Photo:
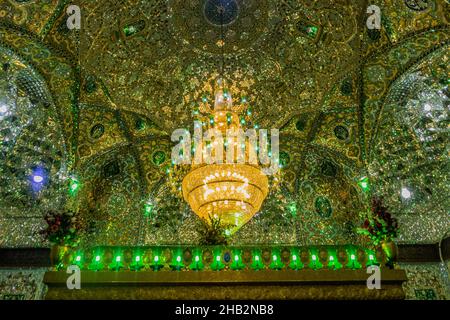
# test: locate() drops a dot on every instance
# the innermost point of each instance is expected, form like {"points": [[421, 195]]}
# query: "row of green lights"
{"points": [[237, 264], [237, 259]]}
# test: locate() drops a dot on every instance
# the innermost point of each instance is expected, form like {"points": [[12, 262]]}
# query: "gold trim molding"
{"points": [[259, 285]]}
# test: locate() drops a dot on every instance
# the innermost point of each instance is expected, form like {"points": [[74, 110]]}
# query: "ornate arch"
{"points": [[409, 162], [58, 71], [383, 69]]}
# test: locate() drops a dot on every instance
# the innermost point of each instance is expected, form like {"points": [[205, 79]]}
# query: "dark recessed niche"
{"points": [[341, 132], [323, 207], [140, 124], [158, 157], [347, 87], [374, 34], [221, 12], [97, 131], [111, 169], [90, 85]]}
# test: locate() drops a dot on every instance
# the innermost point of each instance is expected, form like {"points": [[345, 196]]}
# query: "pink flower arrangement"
{"points": [[380, 225], [62, 228]]}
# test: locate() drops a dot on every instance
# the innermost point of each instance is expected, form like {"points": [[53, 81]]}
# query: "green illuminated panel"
{"points": [[141, 258], [236, 260], [363, 183], [74, 185], [352, 258], [197, 263], [177, 260], [314, 260], [296, 262], [333, 262], [276, 263], [371, 258], [217, 263], [157, 261], [137, 262], [257, 260], [97, 260]]}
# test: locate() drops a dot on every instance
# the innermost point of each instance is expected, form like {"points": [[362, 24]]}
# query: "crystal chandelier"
{"points": [[232, 192], [234, 189]]}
